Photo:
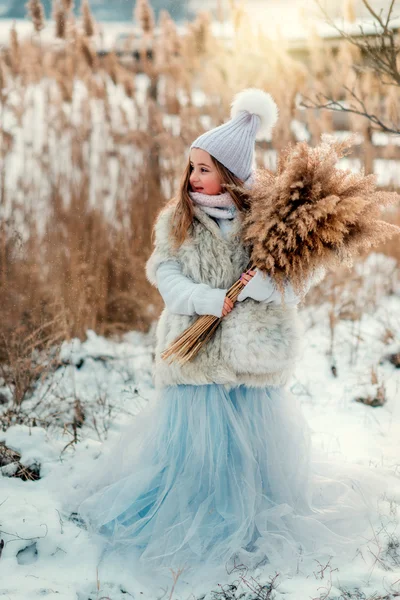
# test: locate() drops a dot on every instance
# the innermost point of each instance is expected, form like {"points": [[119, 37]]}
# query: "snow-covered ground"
{"points": [[47, 556]]}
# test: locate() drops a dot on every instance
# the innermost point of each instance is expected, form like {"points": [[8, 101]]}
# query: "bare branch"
{"points": [[374, 14], [384, 25], [324, 102], [391, 7], [381, 49], [332, 23]]}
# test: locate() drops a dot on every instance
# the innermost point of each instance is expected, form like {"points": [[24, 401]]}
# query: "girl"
{"points": [[218, 470]]}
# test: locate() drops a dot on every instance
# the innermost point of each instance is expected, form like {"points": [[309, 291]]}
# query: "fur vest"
{"points": [[255, 344]]}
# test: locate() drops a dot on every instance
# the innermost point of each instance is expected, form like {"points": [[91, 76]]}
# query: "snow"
{"points": [[47, 556]]}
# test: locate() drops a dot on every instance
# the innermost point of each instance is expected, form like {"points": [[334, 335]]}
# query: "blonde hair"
{"points": [[183, 216]]}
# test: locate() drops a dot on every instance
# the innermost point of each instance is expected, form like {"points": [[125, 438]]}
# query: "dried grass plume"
{"points": [[15, 54], [60, 17], [68, 5], [36, 13], [144, 15], [87, 17]]}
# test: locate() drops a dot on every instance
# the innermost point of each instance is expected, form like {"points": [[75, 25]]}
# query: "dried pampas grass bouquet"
{"points": [[309, 214]]}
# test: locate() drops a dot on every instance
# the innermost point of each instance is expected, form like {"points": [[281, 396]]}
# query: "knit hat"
{"points": [[253, 115]]}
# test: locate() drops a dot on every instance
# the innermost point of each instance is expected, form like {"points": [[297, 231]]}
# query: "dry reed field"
{"points": [[92, 145]]}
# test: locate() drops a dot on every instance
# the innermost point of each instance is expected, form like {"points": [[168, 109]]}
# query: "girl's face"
{"points": [[204, 177]]}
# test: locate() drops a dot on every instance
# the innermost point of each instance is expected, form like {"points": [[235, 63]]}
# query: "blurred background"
{"points": [[99, 103]]}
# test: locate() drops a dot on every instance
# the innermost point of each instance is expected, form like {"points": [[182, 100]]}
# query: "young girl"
{"points": [[218, 470]]}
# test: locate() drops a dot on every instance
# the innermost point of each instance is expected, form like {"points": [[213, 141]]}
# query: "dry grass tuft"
{"points": [[28, 353], [377, 399], [11, 466]]}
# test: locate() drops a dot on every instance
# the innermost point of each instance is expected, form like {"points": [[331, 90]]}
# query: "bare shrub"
{"points": [[28, 349]]}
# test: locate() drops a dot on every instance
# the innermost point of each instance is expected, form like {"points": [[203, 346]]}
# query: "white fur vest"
{"points": [[256, 344]]}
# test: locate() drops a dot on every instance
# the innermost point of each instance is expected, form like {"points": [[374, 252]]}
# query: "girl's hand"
{"points": [[247, 276], [228, 305]]}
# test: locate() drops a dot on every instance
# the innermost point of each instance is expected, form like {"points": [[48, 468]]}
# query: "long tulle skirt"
{"points": [[206, 477]]}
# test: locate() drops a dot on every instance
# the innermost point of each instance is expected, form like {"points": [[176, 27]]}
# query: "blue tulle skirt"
{"points": [[208, 476]]}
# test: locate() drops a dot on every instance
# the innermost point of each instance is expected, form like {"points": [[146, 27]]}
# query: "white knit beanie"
{"points": [[253, 115]]}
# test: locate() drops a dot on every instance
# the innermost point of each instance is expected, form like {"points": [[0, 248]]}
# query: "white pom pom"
{"points": [[257, 102]]}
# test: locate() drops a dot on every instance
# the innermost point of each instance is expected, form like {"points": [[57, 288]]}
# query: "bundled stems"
{"points": [[192, 340]]}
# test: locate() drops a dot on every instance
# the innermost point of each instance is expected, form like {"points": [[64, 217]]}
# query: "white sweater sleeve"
{"points": [[259, 288], [262, 288], [184, 297]]}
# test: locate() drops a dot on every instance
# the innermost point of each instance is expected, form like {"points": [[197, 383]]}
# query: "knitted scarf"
{"points": [[219, 206]]}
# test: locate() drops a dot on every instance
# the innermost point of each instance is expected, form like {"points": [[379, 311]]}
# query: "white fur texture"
{"points": [[260, 103], [256, 344]]}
